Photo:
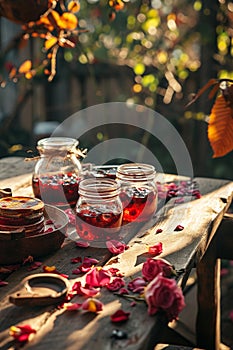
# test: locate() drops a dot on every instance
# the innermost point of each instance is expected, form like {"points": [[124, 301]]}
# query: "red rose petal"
{"points": [[120, 316], [179, 228]]}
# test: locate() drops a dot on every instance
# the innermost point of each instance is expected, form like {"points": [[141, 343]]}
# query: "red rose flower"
{"points": [[152, 267], [163, 294]]}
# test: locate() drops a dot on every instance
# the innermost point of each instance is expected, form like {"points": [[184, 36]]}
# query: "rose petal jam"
{"points": [[139, 193], [139, 204], [98, 211], [59, 189], [97, 224]]}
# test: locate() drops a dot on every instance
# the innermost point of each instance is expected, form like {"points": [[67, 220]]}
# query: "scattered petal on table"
{"points": [[156, 249], [92, 305], [21, 333], [120, 316]]}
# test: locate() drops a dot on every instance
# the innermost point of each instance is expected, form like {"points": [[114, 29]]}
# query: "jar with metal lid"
{"points": [[57, 172], [139, 193], [98, 211]]}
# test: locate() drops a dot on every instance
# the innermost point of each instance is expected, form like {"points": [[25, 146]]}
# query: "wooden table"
{"points": [[204, 239]]}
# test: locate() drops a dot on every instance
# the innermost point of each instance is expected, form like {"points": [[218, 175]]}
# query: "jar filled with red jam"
{"points": [[58, 172], [98, 211], [139, 193]]}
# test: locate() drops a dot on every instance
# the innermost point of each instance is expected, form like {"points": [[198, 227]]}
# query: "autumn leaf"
{"points": [[25, 67], [50, 42], [68, 21], [73, 6], [220, 128]]}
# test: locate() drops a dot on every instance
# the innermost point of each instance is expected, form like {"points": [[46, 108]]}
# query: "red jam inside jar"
{"points": [[139, 194], [58, 189], [92, 225], [98, 211], [58, 172], [139, 204]]}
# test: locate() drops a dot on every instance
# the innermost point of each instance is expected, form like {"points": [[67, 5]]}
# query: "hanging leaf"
{"points": [[50, 42], [220, 128], [74, 6], [25, 67], [68, 21]]}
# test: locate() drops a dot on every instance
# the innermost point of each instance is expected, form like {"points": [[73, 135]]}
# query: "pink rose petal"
{"points": [[92, 305], [82, 244], [71, 306], [156, 249], [3, 283], [116, 247], [120, 316], [179, 228]]}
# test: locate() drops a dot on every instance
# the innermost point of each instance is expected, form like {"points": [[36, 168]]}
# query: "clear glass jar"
{"points": [[58, 172], [98, 211], [139, 194]]}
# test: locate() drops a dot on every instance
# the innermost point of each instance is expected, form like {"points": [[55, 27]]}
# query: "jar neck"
{"points": [[136, 172], [57, 146], [99, 188]]}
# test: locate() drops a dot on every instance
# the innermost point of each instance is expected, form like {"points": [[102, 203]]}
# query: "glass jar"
{"points": [[98, 211], [58, 172], [139, 194]]}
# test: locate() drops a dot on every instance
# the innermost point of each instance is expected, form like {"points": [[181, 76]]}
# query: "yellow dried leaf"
{"points": [[25, 67], [50, 42], [220, 128], [74, 6], [68, 21]]}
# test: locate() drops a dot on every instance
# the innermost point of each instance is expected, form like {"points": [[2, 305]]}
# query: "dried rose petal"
{"points": [[156, 249], [77, 271], [120, 316], [137, 285], [179, 228], [78, 289], [98, 277], [92, 305], [123, 291], [116, 247], [21, 333], [3, 283], [159, 230], [88, 262], [71, 306], [82, 244], [76, 260], [115, 272], [116, 284], [34, 266]]}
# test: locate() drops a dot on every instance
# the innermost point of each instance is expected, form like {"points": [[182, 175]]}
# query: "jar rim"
{"points": [[136, 172], [54, 142], [100, 188]]}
